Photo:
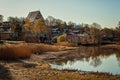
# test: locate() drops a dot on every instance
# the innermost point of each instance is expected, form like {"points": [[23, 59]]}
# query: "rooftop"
{"points": [[34, 15]]}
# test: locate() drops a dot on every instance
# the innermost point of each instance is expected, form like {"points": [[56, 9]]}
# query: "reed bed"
{"points": [[40, 48], [14, 51], [68, 44], [24, 50]]}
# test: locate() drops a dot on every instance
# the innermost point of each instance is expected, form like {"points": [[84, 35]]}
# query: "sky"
{"points": [[104, 12]]}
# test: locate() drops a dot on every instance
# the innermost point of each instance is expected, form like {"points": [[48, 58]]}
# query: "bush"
{"points": [[61, 38]]}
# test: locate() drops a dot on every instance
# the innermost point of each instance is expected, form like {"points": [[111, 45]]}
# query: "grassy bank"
{"points": [[68, 44], [114, 46], [12, 51], [24, 50], [36, 68]]}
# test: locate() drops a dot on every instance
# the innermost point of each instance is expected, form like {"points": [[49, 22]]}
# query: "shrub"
{"points": [[61, 38]]}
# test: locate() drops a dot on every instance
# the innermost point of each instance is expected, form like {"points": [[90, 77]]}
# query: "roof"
{"points": [[34, 15]]}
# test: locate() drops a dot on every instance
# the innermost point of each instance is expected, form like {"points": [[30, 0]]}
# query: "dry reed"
{"points": [[68, 44], [12, 51], [40, 48], [24, 50]]}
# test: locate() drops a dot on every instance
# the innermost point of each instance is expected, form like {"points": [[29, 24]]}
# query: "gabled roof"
{"points": [[34, 15]]}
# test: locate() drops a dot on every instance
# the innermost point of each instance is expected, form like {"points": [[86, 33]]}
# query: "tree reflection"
{"points": [[118, 61], [96, 62], [118, 57], [94, 55]]}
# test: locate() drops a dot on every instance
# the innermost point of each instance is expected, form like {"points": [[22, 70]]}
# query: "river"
{"points": [[96, 59]]}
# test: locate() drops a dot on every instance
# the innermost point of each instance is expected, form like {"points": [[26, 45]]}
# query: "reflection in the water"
{"points": [[96, 62], [92, 59]]}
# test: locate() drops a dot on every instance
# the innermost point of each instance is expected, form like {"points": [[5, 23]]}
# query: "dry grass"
{"points": [[116, 46], [68, 44], [12, 51], [24, 50], [40, 48], [42, 70]]}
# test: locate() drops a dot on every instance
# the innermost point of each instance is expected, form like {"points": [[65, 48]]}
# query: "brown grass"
{"points": [[12, 51], [68, 44], [116, 46], [40, 48], [24, 50]]}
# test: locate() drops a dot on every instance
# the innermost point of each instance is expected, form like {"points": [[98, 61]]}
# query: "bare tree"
{"points": [[50, 21], [119, 24], [71, 24], [16, 25], [96, 25]]}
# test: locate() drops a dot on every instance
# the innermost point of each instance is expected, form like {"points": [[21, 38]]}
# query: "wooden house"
{"points": [[5, 35], [5, 31], [29, 35], [34, 15]]}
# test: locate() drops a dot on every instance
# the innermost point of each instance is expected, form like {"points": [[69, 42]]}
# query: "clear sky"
{"points": [[104, 12]]}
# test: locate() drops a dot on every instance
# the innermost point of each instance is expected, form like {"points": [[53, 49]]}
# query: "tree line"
{"points": [[19, 25]]}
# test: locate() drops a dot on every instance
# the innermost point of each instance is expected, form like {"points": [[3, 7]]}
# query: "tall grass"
{"points": [[24, 50], [40, 48], [68, 44], [12, 51]]}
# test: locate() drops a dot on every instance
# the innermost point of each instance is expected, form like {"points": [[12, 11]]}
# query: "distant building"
{"points": [[5, 31], [29, 35], [5, 26], [5, 35], [34, 15], [55, 31]]}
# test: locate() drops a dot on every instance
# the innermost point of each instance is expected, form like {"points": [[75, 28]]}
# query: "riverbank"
{"points": [[114, 46], [24, 50], [37, 66]]}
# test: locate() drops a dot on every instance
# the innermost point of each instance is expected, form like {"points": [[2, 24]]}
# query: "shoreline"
{"points": [[37, 67]]}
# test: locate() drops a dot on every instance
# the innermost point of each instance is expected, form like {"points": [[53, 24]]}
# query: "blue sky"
{"points": [[104, 12]]}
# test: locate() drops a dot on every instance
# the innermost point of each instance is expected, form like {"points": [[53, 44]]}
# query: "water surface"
{"points": [[92, 59]]}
